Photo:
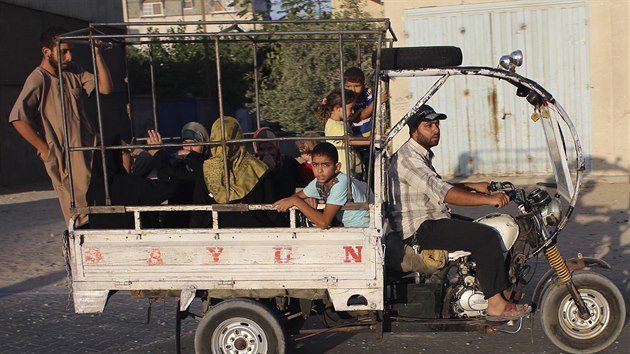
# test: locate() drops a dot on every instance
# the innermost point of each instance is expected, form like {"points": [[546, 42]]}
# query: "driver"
{"points": [[418, 198]]}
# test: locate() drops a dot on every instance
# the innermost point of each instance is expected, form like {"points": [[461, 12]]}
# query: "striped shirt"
{"points": [[416, 191]]}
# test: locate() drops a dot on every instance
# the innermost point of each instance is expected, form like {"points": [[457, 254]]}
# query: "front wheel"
{"points": [[561, 321], [240, 326]]}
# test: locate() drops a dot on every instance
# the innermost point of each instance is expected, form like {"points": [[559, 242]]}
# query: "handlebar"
{"points": [[506, 187], [500, 186]]}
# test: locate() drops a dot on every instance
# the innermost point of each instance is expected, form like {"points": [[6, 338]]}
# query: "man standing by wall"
{"points": [[37, 117]]}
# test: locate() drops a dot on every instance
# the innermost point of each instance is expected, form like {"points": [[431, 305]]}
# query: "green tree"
{"points": [[299, 74], [184, 67], [294, 75]]}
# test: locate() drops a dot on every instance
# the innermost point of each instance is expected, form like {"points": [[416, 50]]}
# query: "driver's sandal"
{"points": [[518, 311]]}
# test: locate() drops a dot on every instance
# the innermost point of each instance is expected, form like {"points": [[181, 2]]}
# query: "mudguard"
{"points": [[549, 277]]}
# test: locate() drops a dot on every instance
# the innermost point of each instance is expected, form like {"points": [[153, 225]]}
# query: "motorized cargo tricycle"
{"points": [[259, 286]]}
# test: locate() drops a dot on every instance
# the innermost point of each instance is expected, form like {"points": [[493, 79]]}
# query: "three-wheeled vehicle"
{"points": [[258, 286]]}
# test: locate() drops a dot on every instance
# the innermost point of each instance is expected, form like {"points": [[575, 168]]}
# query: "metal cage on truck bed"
{"points": [[341, 265]]}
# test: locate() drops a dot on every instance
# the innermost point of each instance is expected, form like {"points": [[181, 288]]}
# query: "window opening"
{"points": [[152, 9]]}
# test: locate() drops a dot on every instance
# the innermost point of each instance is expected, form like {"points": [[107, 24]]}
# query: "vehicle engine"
{"points": [[468, 299]]}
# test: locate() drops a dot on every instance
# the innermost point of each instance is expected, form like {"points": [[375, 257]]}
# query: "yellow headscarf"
{"points": [[244, 169]]}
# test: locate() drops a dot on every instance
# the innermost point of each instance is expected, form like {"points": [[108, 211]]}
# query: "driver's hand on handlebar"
{"points": [[499, 200]]}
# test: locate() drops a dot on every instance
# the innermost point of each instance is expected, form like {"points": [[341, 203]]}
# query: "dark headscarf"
{"points": [[196, 132]]}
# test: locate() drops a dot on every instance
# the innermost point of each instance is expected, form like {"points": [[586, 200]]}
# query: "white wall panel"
{"points": [[488, 130]]}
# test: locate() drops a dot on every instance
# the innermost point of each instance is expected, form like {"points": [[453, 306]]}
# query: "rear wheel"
{"points": [[564, 327], [240, 326]]}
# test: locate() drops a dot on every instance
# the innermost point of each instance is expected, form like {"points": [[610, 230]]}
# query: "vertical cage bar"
{"points": [[256, 88], [153, 96], [99, 117], [346, 140], [221, 115], [64, 116]]}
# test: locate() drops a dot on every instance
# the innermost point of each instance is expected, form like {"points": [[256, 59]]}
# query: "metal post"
{"points": [[153, 97], [100, 119], [346, 140], [132, 126], [377, 103], [256, 88], [65, 124], [206, 51], [220, 94]]}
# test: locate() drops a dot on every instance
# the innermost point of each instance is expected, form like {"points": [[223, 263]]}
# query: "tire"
{"points": [[562, 324], [240, 326], [411, 58]]}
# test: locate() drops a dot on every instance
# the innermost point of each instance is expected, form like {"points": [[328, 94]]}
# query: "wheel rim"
{"points": [[574, 325], [239, 336]]}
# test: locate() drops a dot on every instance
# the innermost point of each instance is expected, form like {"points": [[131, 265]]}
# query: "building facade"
{"points": [[148, 11]]}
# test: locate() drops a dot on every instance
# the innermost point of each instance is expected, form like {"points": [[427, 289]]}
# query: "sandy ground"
{"points": [[32, 224]]}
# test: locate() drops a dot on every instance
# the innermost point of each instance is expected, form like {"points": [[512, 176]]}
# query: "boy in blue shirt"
{"points": [[330, 187], [354, 79]]}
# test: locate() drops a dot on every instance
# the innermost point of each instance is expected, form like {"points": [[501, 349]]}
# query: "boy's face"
{"points": [[324, 168], [357, 87]]}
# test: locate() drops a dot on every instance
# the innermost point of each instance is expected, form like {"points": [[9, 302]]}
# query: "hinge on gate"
{"points": [[330, 279]]}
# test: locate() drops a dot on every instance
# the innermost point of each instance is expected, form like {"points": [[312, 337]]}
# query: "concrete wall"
{"points": [[20, 28], [610, 85], [609, 38]]}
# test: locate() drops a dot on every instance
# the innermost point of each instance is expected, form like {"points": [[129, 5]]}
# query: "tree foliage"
{"points": [[186, 67], [299, 74], [293, 76]]}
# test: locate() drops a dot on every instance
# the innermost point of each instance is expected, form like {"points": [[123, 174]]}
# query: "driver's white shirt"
{"points": [[416, 191]]}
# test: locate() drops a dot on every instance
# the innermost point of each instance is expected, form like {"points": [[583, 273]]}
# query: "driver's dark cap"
{"points": [[425, 112]]}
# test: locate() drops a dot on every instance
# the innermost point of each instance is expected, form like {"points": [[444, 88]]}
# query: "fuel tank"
{"points": [[505, 225]]}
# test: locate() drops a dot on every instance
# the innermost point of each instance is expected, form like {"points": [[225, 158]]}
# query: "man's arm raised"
{"points": [[105, 83]]}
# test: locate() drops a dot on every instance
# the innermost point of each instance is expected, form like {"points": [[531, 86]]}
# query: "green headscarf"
{"points": [[245, 170]]}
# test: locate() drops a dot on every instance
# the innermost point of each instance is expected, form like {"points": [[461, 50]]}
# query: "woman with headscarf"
{"points": [[190, 186], [284, 170], [247, 178], [127, 187]]}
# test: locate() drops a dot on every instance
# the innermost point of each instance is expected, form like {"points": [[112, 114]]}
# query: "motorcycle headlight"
{"points": [[551, 213]]}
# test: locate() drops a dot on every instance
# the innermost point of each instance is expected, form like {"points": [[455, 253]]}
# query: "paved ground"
{"points": [[37, 315]]}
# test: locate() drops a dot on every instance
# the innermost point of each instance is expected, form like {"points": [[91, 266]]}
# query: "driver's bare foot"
{"points": [[510, 312]]}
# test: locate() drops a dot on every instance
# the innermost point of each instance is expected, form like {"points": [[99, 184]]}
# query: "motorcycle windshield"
{"points": [[559, 149]]}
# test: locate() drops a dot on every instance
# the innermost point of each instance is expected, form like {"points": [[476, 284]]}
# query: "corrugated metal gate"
{"points": [[488, 130]]}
